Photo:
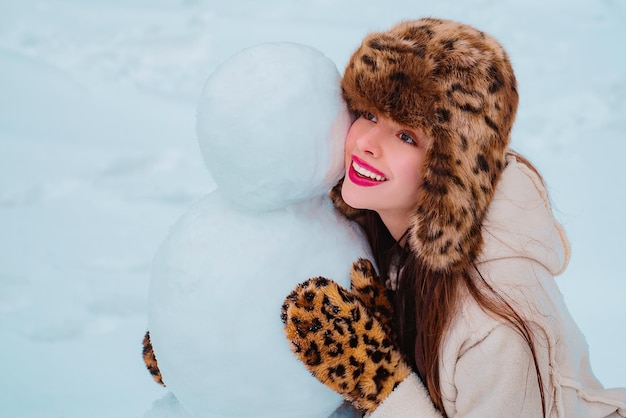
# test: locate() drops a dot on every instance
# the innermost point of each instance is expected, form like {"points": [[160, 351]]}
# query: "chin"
{"points": [[351, 196]]}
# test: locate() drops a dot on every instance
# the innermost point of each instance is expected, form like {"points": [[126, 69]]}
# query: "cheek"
{"points": [[350, 143], [351, 137], [411, 171]]}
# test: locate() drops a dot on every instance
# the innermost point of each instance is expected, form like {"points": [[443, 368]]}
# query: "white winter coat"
{"points": [[486, 368]]}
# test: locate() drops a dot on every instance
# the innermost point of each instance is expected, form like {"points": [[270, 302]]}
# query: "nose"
{"points": [[370, 142]]}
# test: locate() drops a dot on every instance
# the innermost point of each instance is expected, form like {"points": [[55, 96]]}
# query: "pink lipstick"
{"points": [[364, 174]]}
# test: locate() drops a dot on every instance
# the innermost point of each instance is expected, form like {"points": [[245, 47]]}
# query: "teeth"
{"points": [[366, 173]]}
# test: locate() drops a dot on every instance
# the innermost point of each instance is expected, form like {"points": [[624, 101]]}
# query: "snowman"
{"points": [[271, 126]]}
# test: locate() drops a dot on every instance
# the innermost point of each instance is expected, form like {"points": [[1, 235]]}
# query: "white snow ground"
{"points": [[98, 158]]}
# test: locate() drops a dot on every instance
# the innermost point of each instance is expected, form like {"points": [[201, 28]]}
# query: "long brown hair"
{"points": [[425, 301]]}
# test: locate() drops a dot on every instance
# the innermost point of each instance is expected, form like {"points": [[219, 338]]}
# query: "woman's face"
{"points": [[384, 162]]}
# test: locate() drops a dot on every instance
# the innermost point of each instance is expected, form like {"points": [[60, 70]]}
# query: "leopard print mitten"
{"points": [[149, 358], [345, 345], [370, 289]]}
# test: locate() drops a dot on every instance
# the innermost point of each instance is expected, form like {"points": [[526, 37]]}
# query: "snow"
{"points": [[99, 158]]}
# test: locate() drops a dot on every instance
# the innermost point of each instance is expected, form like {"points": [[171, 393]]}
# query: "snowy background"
{"points": [[98, 158]]}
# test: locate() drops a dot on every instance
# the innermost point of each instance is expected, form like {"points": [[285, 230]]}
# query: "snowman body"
{"points": [[220, 277]]}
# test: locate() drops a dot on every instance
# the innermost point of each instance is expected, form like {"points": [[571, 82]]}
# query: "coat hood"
{"points": [[520, 222]]}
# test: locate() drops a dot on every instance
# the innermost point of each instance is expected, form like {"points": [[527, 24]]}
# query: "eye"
{"points": [[408, 138], [369, 116]]}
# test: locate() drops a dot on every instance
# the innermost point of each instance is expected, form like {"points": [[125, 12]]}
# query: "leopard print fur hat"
{"points": [[455, 84]]}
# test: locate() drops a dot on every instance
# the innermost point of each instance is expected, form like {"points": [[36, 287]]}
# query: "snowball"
{"points": [[271, 125], [218, 284]]}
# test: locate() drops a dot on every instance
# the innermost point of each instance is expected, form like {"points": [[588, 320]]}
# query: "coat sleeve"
{"points": [[494, 378], [497, 378], [409, 400]]}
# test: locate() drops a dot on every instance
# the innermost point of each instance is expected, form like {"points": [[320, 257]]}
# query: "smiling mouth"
{"points": [[367, 174]]}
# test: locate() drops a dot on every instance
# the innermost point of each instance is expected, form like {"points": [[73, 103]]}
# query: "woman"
{"points": [[463, 235]]}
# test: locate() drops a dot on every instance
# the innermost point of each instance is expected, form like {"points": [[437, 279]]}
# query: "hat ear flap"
{"points": [[343, 208]]}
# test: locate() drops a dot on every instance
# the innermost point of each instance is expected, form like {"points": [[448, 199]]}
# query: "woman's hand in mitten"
{"points": [[370, 289], [343, 343], [150, 360]]}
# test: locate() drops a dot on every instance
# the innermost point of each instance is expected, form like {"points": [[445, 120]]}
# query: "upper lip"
{"points": [[368, 167]]}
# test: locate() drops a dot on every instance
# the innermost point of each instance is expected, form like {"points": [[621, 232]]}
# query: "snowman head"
{"points": [[271, 126]]}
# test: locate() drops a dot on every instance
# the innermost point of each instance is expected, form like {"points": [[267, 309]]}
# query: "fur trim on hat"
{"points": [[456, 85]]}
